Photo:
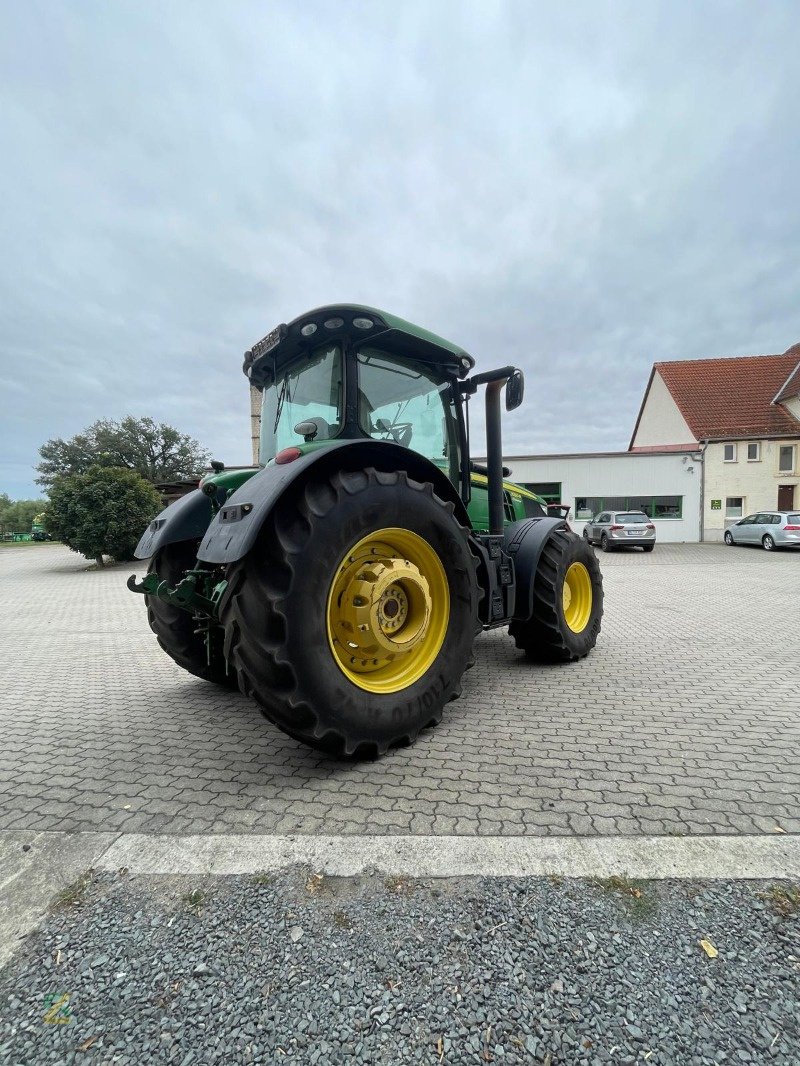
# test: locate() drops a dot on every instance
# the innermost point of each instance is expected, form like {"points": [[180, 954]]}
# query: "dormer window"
{"points": [[729, 453]]}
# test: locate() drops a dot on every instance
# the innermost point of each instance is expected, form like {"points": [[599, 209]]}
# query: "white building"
{"points": [[666, 485]]}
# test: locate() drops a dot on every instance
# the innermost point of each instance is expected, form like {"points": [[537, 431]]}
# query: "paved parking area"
{"points": [[685, 719]]}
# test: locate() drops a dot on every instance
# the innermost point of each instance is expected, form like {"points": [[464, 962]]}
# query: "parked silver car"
{"points": [[621, 529], [770, 529]]}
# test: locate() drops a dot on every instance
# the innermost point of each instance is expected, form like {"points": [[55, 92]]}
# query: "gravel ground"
{"points": [[301, 968]]}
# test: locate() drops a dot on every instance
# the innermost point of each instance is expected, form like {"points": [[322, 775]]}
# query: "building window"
{"points": [[786, 459], [729, 453], [734, 506], [550, 491], [754, 451], [587, 506], [666, 507], [653, 506]]}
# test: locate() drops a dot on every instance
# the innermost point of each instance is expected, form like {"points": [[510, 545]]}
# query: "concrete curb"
{"points": [[728, 857], [29, 879]]}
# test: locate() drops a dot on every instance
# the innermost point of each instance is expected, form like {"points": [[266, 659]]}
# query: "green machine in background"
{"points": [[342, 583]]}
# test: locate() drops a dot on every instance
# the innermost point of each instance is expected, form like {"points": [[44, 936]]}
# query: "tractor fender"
{"points": [[185, 519], [523, 542], [234, 529]]}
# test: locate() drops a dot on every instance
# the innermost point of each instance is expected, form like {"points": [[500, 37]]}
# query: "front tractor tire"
{"points": [[176, 629], [352, 619], [567, 603]]}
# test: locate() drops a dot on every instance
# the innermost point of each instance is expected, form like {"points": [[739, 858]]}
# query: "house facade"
{"points": [[741, 416]]}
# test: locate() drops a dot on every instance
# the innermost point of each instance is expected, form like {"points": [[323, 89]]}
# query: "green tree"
{"points": [[102, 511], [155, 450], [16, 516]]}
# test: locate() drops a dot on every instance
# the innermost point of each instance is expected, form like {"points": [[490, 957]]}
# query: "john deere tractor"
{"points": [[342, 583]]}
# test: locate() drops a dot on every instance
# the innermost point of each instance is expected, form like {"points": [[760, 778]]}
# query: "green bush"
{"points": [[102, 512]]}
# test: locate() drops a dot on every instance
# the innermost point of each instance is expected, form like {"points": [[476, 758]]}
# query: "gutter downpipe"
{"points": [[703, 491]]}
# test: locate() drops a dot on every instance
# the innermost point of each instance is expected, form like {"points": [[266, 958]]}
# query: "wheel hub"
{"points": [[387, 610], [384, 607]]}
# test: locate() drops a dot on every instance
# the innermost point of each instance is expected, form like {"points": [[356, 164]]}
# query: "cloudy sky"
{"points": [[577, 188]]}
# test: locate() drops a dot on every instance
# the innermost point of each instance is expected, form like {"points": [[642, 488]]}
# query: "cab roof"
{"points": [[361, 325]]}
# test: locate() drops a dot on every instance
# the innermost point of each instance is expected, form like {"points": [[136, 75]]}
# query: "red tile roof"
{"points": [[733, 397]]}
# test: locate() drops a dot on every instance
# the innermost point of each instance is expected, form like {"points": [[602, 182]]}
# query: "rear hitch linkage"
{"points": [[186, 593]]}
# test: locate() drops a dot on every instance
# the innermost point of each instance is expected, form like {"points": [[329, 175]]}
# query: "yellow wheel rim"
{"points": [[577, 597], [388, 610]]}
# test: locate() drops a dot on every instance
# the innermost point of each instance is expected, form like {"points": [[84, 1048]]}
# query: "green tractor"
{"points": [[343, 582], [38, 527]]}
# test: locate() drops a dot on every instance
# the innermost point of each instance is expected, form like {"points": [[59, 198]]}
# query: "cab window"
{"points": [[411, 404], [304, 403]]}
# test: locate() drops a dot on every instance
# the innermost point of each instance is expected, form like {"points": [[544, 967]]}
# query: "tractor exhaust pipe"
{"points": [[494, 380], [494, 456]]}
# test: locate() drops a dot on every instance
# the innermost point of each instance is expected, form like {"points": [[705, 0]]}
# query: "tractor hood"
{"points": [[358, 324]]}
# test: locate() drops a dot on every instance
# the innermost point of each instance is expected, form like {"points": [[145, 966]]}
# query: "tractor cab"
{"points": [[412, 403], [355, 373]]}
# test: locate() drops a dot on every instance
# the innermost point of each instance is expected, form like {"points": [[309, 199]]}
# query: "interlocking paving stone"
{"points": [[685, 719]]}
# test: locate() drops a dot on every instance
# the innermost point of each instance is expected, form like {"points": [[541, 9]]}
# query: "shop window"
{"points": [[587, 507], [666, 507], [653, 506]]}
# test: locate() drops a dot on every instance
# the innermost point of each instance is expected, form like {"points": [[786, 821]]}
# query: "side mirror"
{"points": [[515, 390]]}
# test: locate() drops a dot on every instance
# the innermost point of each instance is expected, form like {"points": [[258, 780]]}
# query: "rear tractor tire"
{"points": [[352, 619], [175, 628], [567, 603]]}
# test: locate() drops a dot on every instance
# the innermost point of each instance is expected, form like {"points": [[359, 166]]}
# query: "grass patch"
{"points": [[72, 895], [263, 878], [783, 900], [26, 543], [193, 901], [634, 893]]}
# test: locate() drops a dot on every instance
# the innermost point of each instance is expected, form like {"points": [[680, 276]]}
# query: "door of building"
{"points": [[785, 497]]}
